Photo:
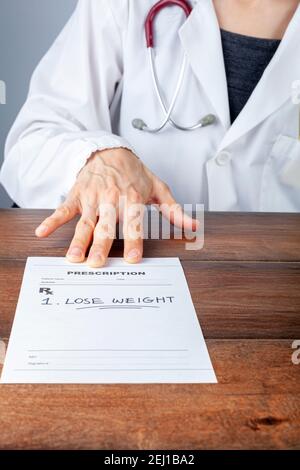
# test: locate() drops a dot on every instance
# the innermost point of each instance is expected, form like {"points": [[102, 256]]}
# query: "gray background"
{"points": [[27, 29]]}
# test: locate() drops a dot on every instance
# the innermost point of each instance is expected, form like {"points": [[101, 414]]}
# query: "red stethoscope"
{"points": [[149, 30]]}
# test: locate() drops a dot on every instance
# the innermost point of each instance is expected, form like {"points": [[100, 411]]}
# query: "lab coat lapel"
{"points": [[201, 40], [274, 88]]}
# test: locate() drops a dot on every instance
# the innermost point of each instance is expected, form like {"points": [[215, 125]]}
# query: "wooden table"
{"points": [[245, 286]]}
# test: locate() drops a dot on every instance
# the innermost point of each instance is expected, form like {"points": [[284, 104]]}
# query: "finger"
{"points": [[173, 211], [133, 217], [105, 231], [83, 235], [63, 214]]}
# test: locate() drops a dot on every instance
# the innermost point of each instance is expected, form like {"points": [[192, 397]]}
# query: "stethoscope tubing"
{"points": [[167, 112], [139, 123]]}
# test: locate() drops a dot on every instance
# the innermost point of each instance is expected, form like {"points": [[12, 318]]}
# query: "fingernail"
{"points": [[96, 260], [133, 254], [75, 253], [41, 230]]}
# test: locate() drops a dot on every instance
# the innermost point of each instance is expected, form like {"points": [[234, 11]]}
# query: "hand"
{"points": [[111, 176]]}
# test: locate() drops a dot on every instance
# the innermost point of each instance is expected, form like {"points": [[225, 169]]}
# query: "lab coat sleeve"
{"points": [[67, 113]]}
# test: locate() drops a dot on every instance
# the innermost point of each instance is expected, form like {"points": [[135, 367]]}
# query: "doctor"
{"points": [[82, 137]]}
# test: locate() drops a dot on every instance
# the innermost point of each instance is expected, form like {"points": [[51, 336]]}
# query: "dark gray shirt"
{"points": [[246, 59]]}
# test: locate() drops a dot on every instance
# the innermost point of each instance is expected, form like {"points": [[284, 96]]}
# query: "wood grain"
{"points": [[245, 287], [248, 408], [228, 237]]}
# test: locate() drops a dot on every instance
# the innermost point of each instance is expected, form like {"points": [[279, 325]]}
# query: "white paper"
{"points": [[119, 324]]}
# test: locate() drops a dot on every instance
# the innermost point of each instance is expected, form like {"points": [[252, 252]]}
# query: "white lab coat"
{"points": [[96, 79]]}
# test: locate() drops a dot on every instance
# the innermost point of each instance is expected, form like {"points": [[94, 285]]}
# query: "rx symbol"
{"points": [[46, 291]]}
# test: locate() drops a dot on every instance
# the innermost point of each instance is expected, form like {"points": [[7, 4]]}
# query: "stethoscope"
{"points": [[140, 123]]}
